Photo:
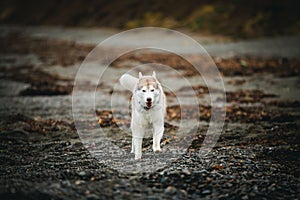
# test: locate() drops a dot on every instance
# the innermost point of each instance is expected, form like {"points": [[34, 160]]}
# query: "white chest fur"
{"points": [[145, 118]]}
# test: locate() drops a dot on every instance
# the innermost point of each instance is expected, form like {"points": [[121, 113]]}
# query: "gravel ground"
{"points": [[43, 157]]}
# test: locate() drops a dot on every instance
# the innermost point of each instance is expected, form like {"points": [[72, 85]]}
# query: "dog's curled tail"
{"points": [[128, 81]]}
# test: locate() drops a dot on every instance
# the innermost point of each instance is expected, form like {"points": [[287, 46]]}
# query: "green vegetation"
{"points": [[235, 18]]}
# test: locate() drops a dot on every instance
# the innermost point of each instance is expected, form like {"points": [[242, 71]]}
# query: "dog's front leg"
{"points": [[157, 135], [138, 148], [137, 141]]}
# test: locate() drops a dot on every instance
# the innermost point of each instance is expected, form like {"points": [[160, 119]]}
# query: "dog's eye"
{"points": [[152, 90], [144, 90]]}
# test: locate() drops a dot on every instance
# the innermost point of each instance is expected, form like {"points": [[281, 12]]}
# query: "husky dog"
{"points": [[148, 104]]}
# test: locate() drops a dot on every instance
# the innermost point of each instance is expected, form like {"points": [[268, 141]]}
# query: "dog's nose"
{"points": [[149, 99]]}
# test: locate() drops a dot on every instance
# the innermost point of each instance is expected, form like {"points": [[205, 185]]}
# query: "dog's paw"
{"points": [[156, 149], [138, 156]]}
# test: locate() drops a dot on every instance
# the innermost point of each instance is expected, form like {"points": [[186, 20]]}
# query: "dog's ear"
{"points": [[140, 75], [154, 74]]}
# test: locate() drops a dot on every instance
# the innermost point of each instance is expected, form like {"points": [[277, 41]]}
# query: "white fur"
{"points": [[143, 117], [128, 81]]}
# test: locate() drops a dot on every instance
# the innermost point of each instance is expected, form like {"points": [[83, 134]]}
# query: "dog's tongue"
{"points": [[148, 104]]}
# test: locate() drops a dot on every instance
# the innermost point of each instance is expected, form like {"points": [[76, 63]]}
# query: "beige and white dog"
{"points": [[148, 104]]}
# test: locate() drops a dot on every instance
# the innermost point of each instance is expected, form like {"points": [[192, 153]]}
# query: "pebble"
{"points": [[184, 192], [92, 197], [82, 173], [186, 171], [228, 185], [170, 190], [78, 182], [205, 192]]}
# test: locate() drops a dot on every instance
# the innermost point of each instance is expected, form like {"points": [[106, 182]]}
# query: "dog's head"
{"points": [[147, 90]]}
